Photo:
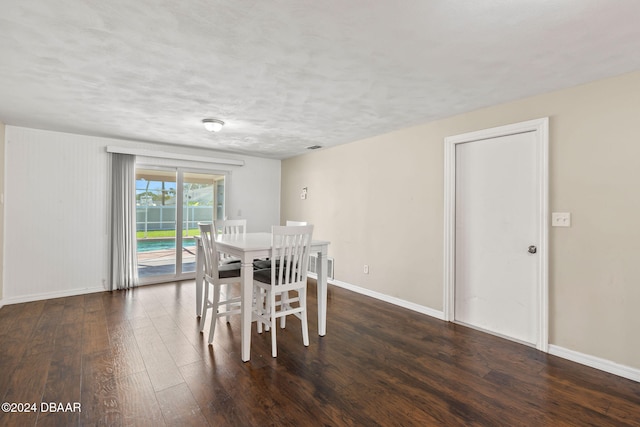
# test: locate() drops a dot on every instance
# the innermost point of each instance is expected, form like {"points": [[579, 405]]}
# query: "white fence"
{"points": [[150, 218]]}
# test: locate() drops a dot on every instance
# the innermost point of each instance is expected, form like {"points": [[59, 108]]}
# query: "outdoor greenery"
{"points": [[165, 233], [195, 195]]}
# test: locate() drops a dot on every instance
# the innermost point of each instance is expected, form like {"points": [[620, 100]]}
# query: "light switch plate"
{"points": [[560, 219]]}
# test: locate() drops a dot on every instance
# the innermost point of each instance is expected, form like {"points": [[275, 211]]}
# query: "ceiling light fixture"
{"points": [[212, 125]]}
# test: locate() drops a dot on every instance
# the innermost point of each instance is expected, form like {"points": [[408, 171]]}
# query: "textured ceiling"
{"points": [[285, 75]]}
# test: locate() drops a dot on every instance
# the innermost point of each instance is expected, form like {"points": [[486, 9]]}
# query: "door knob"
{"points": [[533, 249]]}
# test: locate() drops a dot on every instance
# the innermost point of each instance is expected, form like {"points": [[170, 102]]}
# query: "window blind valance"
{"points": [[177, 156]]}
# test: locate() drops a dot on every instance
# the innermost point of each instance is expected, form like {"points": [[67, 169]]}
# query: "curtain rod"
{"points": [[176, 156]]}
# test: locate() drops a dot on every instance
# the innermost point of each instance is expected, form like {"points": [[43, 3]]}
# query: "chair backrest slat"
{"points": [[290, 222], [230, 226]]}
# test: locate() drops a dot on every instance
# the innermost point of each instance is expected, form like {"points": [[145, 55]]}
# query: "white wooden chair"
{"points": [[290, 223], [229, 226], [217, 275], [288, 273]]}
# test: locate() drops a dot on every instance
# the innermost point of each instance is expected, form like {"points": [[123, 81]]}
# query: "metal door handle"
{"points": [[533, 249]]}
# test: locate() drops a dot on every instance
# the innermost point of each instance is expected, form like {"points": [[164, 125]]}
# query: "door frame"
{"points": [[541, 129]]}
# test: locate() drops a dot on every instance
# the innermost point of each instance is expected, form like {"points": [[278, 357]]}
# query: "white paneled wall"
{"points": [[56, 210], [56, 214]]}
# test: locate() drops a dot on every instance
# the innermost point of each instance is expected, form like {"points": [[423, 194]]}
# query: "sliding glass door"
{"points": [[203, 201], [170, 203]]}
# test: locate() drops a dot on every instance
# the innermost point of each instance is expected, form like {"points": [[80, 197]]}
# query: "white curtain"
{"points": [[124, 262]]}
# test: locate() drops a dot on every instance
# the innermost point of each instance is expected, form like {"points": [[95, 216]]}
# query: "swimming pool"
{"points": [[148, 245]]}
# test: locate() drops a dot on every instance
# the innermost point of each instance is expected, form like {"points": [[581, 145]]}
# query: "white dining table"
{"points": [[249, 247]]}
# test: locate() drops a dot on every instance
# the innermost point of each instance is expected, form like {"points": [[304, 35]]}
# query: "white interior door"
{"points": [[497, 229], [496, 207]]}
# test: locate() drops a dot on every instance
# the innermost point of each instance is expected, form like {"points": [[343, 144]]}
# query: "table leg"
{"points": [[322, 292], [199, 276], [247, 308]]}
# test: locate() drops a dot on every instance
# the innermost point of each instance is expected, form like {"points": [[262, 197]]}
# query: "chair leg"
{"points": [[272, 316], [214, 314], [227, 297], [284, 304], [267, 306], [212, 329], [302, 293], [205, 306], [267, 309], [258, 305]]}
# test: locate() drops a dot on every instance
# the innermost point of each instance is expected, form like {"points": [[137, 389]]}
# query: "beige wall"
{"points": [[1, 209], [380, 202]]}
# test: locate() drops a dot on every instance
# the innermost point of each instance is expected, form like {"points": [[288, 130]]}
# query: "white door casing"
{"points": [[534, 135]]}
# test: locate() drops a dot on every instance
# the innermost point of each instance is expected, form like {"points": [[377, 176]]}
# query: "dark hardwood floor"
{"points": [[137, 358]]}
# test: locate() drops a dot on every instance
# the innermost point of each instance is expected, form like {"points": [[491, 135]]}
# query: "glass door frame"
{"points": [[179, 216]]}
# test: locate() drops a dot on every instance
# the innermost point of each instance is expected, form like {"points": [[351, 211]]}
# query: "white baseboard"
{"points": [[596, 362], [51, 295], [392, 300]]}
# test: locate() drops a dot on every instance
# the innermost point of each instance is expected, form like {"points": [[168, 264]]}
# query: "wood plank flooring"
{"points": [[137, 358]]}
